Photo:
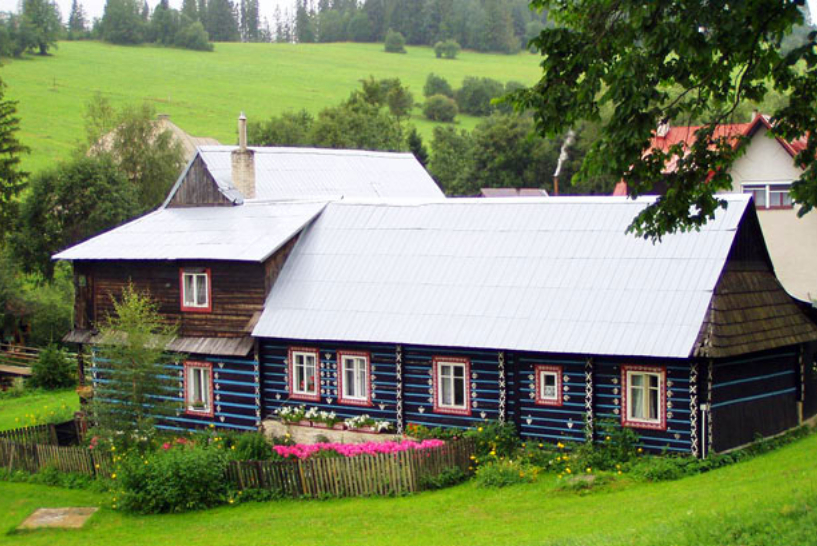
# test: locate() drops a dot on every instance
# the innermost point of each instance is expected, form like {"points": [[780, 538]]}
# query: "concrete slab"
{"points": [[63, 518]]}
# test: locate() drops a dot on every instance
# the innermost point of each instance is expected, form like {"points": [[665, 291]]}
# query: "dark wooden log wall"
{"points": [[551, 424], [754, 394], [275, 388], [607, 404], [238, 292], [236, 393], [810, 380], [198, 188]]}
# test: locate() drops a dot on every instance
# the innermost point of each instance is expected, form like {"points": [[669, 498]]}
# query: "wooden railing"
{"points": [[382, 474], [38, 434], [17, 360]]}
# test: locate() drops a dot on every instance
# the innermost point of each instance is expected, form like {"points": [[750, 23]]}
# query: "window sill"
{"points": [[452, 411], [649, 425], [306, 397], [200, 413], [353, 402]]}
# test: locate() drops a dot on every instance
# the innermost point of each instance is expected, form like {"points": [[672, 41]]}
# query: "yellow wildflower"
{"points": [[619, 472], [589, 470], [479, 429], [568, 471], [640, 450], [607, 438], [541, 445], [113, 476]]}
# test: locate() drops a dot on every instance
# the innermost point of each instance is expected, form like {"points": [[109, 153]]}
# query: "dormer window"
{"points": [[196, 290]]}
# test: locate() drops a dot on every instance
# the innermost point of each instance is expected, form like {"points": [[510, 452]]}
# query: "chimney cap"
{"points": [[242, 116]]}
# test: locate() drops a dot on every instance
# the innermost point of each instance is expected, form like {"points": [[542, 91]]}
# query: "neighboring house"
{"points": [[188, 143], [766, 171], [373, 294], [513, 192]]}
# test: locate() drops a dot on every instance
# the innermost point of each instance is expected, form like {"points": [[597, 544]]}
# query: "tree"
{"points": [[190, 10], [357, 124], [126, 406], [193, 36], [648, 63], [122, 22], [165, 24], [399, 100], [450, 157], [437, 85], [68, 204], [289, 129], [448, 49], [476, 94], [43, 16], [12, 179], [360, 29], [150, 160], [77, 23], [416, 146], [395, 43], [250, 21], [304, 24], [440, 108], [221, 21]]}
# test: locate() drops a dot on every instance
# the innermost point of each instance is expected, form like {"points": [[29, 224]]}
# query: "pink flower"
{"points": [[304, 451], [166, 446]]}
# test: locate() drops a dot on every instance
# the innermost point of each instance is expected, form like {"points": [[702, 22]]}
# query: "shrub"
{"points": [[193, 36], [437, 85], [252, 446], [422, 432], [475, 95], [395, 42], [495, 439], [180, 478], [447, 478], [448, 49], [440, 108], [504, 472], [53, 369]]}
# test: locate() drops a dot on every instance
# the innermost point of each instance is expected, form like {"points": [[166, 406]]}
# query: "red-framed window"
{"points": [[354, 378], [548, 385], [644, 397], [198, 388], [451, 378], [304, 374], [196, 289]]}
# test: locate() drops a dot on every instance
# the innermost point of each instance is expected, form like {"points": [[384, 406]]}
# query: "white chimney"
{"points": [[663, 129], [243, 162]]}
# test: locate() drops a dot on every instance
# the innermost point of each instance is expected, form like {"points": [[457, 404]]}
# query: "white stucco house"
{"points": [[766, 170]]}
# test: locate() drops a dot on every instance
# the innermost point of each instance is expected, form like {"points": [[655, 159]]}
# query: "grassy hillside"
{"points": [[204, 92], [767, 500]]}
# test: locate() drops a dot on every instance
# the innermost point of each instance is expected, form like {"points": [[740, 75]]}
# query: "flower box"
{"points": [[318, 424], [304, 423], [368, 430], [339, 426]]}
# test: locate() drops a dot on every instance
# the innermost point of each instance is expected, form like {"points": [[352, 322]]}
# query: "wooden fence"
{"points": [[383, 474], [38, 434], [17, 359], [34, 457]]}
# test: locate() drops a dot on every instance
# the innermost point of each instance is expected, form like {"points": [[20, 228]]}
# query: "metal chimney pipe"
{"points": [[242, 132]]}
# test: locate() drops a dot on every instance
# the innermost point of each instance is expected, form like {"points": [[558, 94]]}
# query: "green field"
{"points": [[38, 407], [204, 92], [770, 500]]}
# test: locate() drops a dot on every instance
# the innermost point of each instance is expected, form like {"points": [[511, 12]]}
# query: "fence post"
{"points": [[52, 431]]}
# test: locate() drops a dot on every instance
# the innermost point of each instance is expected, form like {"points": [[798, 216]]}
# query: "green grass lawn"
{"points": [[204, 92], [37, 407], [768, 500]]}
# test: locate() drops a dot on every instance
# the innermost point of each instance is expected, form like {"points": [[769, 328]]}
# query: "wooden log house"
{"points": [[345, 281]]}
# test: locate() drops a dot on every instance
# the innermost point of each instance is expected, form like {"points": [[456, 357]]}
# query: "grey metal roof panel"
{"points": [[552, 275], [250, 232], [315, 173]]}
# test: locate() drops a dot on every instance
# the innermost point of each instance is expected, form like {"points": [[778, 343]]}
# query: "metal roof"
{"points": [[250, 232], [552, 275], [312, 173]]}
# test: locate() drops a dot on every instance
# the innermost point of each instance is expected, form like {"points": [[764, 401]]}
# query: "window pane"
{"points": [[636, 400], [201, 290], [310, 373], [446, 395], [360, 371], [349, 387], [548, 385], [653, 404], [637, 380], [188, 290], [459, 388]]}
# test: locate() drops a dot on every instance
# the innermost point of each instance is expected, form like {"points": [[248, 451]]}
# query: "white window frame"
{"points": [[542, 371], [205, 372], [628, 419], [439, 378], [769, 188], [198, 276], [355, 359], [297, 392]]}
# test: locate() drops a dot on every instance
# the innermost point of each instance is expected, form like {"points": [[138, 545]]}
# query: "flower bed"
{"points": [[305, 451]]}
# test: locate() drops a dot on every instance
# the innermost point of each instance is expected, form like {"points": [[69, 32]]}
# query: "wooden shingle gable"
{"points": [[197, 188], [750, 311]]}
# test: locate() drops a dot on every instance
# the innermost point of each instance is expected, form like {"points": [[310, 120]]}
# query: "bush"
{"points": [[475, 95], [440, 108], [422, 432], [447, 478], [504, 472], [53, 370], [395, 42], [448, 49], [193, 36], [437, 85], [495, 439], [252, 446], [180, 478]]}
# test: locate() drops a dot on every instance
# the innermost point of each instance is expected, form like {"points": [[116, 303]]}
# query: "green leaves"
{"points": [[683, 62]]}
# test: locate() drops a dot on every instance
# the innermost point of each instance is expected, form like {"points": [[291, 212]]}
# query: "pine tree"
{"points": [[249, 21], [190, 10], [145, 11], [12, 179], [304, 24], [221, 21], [43, 17], [76, 20], [202, 11]]}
